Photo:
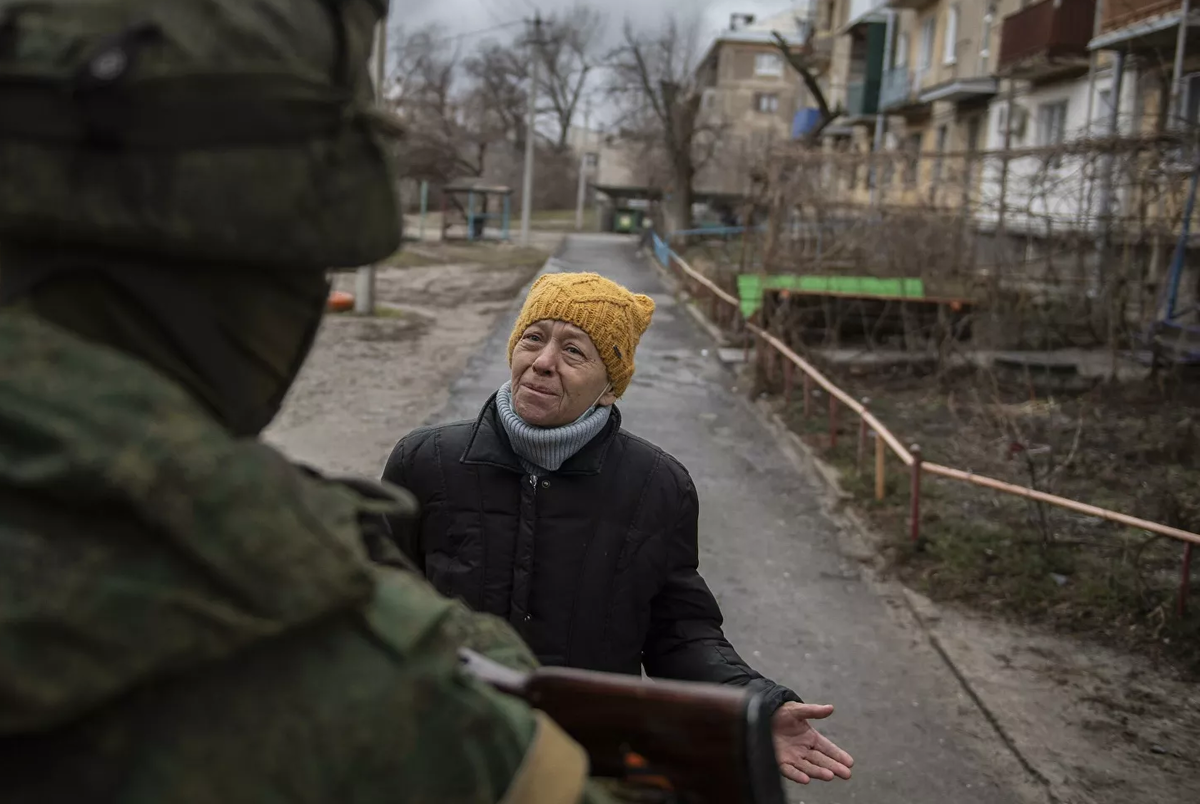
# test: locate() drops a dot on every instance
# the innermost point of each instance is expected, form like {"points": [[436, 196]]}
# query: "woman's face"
{"points": [[557, 374]]}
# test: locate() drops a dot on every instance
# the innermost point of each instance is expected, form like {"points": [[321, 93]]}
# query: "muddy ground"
{"points": [[369, 381]]}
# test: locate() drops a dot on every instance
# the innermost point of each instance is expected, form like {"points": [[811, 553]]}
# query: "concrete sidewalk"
{"points": [[796, 608]]}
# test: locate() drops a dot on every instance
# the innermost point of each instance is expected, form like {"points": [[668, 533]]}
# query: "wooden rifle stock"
{"points": [[702, 742]]}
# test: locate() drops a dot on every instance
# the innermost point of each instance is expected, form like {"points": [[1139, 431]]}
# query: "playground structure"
{"points": [[476, 216]]}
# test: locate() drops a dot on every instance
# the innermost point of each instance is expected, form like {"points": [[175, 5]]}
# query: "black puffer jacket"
{"points": [[595, 565]]}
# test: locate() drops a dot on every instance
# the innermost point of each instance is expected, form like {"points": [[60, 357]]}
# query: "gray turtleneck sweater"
{"points": [[543, 450]]}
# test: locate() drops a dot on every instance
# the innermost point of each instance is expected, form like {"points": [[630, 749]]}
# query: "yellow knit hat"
{"points": [[612, 316]]}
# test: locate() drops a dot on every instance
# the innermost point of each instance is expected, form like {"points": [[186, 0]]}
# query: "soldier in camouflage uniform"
{"points": [[186, 617]]}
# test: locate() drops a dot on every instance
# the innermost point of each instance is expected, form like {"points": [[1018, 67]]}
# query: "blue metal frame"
{"points": [[715, 231]]}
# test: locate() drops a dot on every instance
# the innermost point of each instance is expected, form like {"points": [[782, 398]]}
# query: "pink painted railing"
{"points": [[701, 286]]}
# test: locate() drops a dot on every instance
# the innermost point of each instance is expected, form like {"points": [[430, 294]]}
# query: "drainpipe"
{"points": [[1174, 112], [880, 116], [1106, 177]]}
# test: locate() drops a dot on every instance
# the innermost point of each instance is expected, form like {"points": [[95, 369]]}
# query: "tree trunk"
{"points": [[679, 210]]}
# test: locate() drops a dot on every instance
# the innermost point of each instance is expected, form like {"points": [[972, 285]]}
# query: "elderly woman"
{"points": [[545, 512]]}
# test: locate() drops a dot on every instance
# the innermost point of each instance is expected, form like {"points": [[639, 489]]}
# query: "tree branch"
{"points": [[799, 63]]}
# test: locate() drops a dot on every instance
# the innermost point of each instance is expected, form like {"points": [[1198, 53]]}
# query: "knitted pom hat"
{"points": [[612, 316]]}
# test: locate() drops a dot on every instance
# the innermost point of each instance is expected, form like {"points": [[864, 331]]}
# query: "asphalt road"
{"points": [[795, 607]]}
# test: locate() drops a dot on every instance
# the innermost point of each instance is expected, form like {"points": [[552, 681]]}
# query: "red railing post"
{"points": [[914, 517], [1185, 579], [862, 436], [758, 356], [833, 411], [880, 479]]}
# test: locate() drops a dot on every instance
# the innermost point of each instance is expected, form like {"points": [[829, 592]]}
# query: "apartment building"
{"points": [[752, 93]]}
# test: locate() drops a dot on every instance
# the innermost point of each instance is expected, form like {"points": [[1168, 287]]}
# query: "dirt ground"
{"points": [[369, 381]]}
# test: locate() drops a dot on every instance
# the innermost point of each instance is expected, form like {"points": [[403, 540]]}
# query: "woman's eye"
{"points": [[573, 350]]}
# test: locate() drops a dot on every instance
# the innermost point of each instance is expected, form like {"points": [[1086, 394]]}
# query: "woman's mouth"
{"points": [[539, 391]]}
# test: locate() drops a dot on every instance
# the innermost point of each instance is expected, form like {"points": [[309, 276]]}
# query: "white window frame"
{"points": [[900, 57], [985, 50], [769, 100], [1102, 108], [950, 39], [928, 34], [768, 65], [1046, 128]]}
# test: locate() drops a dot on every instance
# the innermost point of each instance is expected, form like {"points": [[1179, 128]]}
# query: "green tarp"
{"points": [[751, 287]]}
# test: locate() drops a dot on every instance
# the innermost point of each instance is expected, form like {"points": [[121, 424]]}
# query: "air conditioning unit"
{"points": [[1015, 122]]}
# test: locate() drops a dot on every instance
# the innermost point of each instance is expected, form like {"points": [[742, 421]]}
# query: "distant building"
{"points": [[751, 92]]}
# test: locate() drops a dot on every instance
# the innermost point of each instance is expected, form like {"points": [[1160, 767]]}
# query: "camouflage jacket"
{"points": [[187, 617]]}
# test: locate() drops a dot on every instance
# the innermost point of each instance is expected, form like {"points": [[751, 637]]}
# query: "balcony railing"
{"points": [[862, 98], [1046, 35], [897, 87], [1117, 15]]}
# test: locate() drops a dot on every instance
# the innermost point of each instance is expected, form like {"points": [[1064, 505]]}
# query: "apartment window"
{"points": [[1052, 127], [1191, 100], [913, 146], [985, 50], [974, 126], [950, 40], [900, 57], [768, 64], [1052, 123], [1101, 112], [927, 32], [943, 134], [766, 102]]}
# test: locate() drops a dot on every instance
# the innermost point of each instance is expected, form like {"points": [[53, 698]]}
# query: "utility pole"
{"points": [[583, 164], [364, 281], [881, 115], [535, 46]]}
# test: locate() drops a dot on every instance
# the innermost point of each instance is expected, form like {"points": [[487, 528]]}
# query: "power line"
{"points": [[480, 32], [487, 9]]}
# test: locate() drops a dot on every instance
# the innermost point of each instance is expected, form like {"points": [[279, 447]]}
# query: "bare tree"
{"points": [[498, 73], [802, 60], [568, 57], [448, 128], [653, 79]]}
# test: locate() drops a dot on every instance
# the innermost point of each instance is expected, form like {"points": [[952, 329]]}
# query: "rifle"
{"points": [[695, 742]]}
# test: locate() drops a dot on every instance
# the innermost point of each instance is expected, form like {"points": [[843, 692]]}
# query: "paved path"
{"points": [[794, 606]]}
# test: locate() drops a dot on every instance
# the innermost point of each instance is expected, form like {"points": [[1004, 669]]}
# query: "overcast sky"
{"points": [[473, 21], [466, 16]]}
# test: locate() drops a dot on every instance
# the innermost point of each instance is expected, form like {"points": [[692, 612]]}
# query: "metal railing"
{"points": [[769, 348], [897, 87]]}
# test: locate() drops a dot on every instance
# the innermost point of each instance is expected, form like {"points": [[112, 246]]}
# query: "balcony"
{"points": [[1146, 26], [862, 99], [898, 92], [1114, 16], [1046, 39]]}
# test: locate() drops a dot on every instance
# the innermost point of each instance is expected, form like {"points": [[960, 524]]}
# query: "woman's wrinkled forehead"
{"points": [[564, 328]]}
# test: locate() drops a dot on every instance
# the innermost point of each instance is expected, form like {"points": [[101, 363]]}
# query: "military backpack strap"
{"points": [[554, 770]]}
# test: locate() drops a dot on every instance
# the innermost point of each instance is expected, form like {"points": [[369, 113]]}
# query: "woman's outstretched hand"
{"points": [[802, 752]]}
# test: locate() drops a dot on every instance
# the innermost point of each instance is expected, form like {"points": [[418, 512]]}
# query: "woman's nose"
{"points": [[544, 362]]}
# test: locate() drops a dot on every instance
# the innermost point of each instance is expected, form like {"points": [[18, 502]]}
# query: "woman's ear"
{"points": [[607, 399]]}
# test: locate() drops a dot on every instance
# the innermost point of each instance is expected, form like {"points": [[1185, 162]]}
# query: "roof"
{"points": [[792, 25]]}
